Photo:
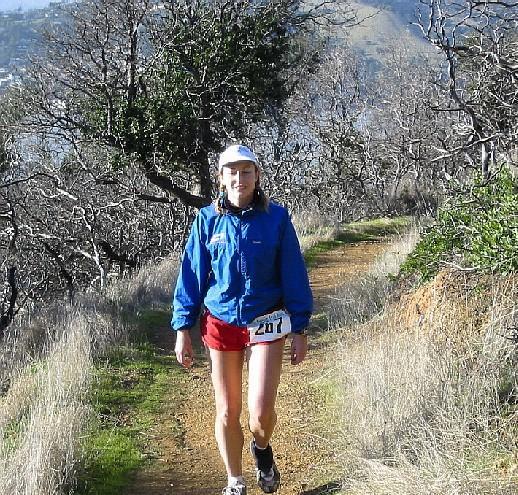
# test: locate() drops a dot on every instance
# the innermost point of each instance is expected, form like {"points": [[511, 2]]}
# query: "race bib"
{"points": [[270, 327]]}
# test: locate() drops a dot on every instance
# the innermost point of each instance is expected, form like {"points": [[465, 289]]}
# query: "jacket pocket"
{"points": [[262, 260]]}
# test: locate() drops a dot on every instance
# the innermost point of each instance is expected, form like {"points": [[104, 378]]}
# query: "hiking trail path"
{"points": [[190, 464]]}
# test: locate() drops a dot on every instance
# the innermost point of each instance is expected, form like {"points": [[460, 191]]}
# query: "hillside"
{"points": [[19, 31], [25, 4], [383, 27], [403, 9], [402, 393], [20, 37]]}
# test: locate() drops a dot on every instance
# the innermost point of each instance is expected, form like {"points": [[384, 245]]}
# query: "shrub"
{"points": [[477, 228]]}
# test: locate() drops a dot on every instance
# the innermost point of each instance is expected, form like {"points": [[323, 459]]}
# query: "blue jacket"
{"points": [[240, 266]]}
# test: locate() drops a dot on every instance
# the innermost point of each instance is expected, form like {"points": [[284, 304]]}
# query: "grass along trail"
{"points": [[186, 460]]}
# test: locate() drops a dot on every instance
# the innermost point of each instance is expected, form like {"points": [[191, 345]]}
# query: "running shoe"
{"points": [[267, 474], [237, 489]]}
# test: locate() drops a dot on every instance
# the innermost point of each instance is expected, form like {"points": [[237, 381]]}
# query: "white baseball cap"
{"points": [[236, 153]]}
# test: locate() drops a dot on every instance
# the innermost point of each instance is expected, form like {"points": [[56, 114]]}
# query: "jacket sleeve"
{"points": [[296, 291], [191, 284]]}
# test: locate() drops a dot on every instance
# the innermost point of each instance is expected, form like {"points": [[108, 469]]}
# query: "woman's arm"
{"points": [[296, 291], [299, 347], [297, 296], [191, 284], [183, 348]]}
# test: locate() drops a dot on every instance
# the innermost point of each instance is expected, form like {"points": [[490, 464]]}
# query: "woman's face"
{"points": [[239, 180]]}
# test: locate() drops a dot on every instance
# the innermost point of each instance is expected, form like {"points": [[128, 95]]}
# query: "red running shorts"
{"points": [[222, 336]]}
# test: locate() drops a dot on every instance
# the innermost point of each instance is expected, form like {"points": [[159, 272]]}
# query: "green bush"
{"points": [[476, 228]]}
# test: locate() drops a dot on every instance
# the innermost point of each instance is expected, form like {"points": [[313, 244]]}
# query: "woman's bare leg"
{"points": [[264, 371], [226, 371]]}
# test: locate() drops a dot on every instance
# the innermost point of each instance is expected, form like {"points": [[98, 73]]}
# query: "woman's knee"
{"points": [[228, 415], [262, 419]]}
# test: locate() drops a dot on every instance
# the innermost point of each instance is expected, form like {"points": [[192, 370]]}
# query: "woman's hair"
{"points": [[260, 200]]}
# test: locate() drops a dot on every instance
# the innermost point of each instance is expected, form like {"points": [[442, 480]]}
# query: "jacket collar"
{"points": [[235, 210]]}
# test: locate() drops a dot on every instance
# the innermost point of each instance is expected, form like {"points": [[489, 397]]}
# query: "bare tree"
{"points": [[353, 144], [480, 45], [404, 131], [72, 228], [9, 232], [336, 102]]}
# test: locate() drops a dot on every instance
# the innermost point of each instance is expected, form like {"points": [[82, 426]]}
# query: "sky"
{"points": [[24, 4]]}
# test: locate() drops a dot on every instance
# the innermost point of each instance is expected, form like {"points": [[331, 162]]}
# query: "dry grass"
{"points": [[46, 365], [429, 403], [312, 228], [150, 287], [358, 301], [43, 414]]}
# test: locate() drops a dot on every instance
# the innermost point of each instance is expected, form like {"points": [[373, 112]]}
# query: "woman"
{"points": [[243, 263]]}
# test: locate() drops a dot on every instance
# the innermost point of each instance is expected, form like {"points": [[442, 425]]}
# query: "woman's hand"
{"points": [[183, 348], [299, 348]]}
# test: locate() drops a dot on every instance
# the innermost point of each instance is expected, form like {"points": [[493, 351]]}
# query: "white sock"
{"points": [[269, 476], [236, 480], [260, 448]]}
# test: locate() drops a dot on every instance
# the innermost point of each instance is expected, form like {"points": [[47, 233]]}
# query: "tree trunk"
{"points": [[166, 184], [7, 317]]}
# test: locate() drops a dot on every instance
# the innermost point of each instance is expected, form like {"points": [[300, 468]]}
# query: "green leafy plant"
{"points": [[477, 228]]}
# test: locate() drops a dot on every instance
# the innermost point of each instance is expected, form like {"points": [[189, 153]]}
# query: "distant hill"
{"points": [[403, 9], [19, 35], [23, 4], [384, 24], [371, 39]]}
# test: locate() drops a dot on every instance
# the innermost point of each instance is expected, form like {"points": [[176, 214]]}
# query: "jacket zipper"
{"points": [[239, 266]]}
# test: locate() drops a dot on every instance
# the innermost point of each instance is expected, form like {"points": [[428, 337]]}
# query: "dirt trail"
{"points": [[191, 465]]}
